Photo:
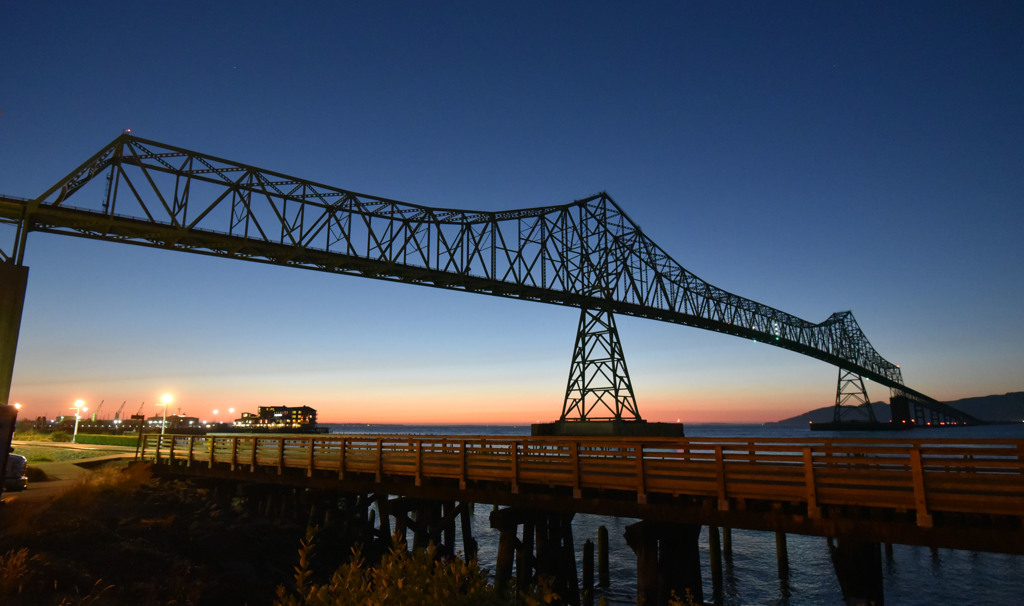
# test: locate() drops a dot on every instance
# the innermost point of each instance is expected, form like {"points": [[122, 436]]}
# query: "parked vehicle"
{"points": [[14, 478]]}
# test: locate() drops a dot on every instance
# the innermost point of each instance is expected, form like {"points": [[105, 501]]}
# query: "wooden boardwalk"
{"points": [[962, 493]]}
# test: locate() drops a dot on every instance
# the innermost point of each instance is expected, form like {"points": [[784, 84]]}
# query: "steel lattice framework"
{"points": [[586, 254], [598, 377]]}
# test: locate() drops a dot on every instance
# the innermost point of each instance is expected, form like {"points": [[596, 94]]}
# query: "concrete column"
{"points": [[8, 418], [13, 280]]}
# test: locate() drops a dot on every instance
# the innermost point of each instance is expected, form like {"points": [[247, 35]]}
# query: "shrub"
{"points": [[402, 578], [16, 567], [110, 479], [107, 440], [60, 436]]}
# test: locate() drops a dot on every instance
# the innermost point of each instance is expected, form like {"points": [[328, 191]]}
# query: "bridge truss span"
{"points": [[587, 253]]}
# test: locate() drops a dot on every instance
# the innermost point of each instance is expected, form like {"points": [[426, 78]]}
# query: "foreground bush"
{"points": [[402, 578]]}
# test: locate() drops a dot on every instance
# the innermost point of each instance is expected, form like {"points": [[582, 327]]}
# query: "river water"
{"points": [[912, 576]]}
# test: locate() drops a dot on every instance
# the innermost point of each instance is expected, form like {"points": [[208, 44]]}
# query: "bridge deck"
{"points": [[965, 493]]}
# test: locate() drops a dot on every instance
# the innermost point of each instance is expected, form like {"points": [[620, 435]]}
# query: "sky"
{"points": [[813, 156]]}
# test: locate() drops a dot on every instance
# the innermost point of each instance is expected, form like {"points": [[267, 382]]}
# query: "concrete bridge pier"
{"points": [[858, 567], [13, 280], [667, 561], [544, 556]]}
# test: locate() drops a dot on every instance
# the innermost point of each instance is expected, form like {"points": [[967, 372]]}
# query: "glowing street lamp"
{"points": [[166, 400], [78, 408]]}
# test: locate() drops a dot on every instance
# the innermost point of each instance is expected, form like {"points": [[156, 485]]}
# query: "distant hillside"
{"points": [[1008, 407], [1004, 408]]}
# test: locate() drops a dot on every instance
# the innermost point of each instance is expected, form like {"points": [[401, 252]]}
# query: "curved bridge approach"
{"points": [[586, 254]]}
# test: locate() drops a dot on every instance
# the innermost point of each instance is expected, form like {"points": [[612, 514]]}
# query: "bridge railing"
{"points": [[967, 476]]}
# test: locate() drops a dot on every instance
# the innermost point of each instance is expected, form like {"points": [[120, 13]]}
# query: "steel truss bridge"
{"points": [[587, 254]]}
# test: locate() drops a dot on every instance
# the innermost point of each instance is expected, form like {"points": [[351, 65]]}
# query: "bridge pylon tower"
{"points": [[852, 403], [599, 398], [599, 388]]}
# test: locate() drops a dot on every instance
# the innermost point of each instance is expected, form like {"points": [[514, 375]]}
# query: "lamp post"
{"points": [[166, 401], [79, 408]]}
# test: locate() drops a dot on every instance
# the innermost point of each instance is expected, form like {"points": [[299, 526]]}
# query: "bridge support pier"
{"points": [[667, 561], [858, 567], [13, 280], [545, 555]]}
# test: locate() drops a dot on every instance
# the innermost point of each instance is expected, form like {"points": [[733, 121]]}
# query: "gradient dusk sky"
{"points": [[813, 156]]}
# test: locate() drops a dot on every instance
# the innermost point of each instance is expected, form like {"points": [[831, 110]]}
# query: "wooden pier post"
{"points": [[588, 573], [668, 560], [782, 562], [545, 552], [858, 567], [715, 553], [782, 555], [602, 557], [469, 544], [525, 560], [506, 553]]}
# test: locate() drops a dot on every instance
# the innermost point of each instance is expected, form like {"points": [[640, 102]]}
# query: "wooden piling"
{"points": [[505, 557], [469, 544], [524, 557], [858, 566], [782, 555], [603, 578], [782, 561], [715, 553], [545, 555], [588, 573], [668, 560]]}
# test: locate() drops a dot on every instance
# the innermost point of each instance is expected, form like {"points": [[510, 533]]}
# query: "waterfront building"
{"points": [[279, 417]]}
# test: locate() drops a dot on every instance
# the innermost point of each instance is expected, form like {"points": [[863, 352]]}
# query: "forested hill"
{"points": [[1005, 408]]}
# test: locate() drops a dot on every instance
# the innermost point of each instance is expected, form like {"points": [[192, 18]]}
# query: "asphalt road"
{"points": [[63, 474]]}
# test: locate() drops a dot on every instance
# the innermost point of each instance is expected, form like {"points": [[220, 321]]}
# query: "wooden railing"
{"points": [[969, 476]]}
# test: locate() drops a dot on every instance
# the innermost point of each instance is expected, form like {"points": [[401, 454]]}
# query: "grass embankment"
{"points": [[82, 438], [40, 450], [119, 537], [37, 453]]}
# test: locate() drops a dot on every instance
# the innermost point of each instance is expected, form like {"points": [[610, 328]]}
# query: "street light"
{"points": [[166, 401], [79, 408]]}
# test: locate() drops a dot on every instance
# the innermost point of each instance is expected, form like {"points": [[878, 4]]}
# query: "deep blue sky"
{"points": [[813, 156]]}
